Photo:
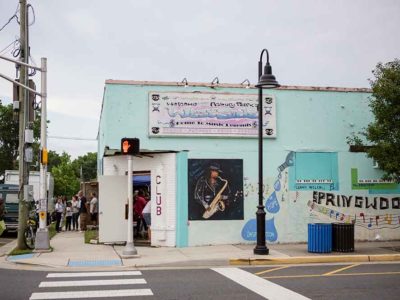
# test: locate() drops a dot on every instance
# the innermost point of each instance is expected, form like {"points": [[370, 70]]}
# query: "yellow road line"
{"points": [[318, 275], [341, 269], [271, 270]]}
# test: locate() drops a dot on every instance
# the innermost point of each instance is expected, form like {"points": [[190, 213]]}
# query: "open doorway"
{"points": [[141, 190]]}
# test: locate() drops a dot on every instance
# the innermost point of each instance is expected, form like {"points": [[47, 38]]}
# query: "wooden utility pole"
{"points": [[23, 121]]}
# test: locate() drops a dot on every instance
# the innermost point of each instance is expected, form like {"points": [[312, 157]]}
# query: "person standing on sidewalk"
{"points": [[83, 210], [75, 212], [94, 209], [147, 218], [59, 208], [140, 203], [68, 216]]}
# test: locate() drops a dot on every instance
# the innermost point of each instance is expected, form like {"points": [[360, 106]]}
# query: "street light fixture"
{"points": [[267, 81]]}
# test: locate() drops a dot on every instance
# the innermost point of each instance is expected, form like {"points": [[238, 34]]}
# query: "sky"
{"points": [[310, 42]]}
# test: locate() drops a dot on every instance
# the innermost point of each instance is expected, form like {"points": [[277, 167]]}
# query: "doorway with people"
{"points": [[141, 207]]}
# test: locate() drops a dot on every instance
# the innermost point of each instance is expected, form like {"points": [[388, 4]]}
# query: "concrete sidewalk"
{"points": [[70, 252]]}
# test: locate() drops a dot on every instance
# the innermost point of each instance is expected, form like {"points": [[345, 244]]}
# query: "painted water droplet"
{"points": [[271, 234], [272, 204], [277, 185], [249, 231]]}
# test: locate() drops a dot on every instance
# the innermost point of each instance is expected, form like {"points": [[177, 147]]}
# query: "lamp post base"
{"points": [[261, 250]]}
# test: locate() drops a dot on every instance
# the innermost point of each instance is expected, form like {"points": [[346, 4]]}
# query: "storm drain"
{"points": [[94, 263]]}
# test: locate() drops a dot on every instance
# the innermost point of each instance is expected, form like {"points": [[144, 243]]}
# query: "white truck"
{"points": [[12, 177]]}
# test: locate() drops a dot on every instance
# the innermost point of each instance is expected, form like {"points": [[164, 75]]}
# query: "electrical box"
{"points": [[28, 193], [16, 105], [29, 154], [28, 136]]}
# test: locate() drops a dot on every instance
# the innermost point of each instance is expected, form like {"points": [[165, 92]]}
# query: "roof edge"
{"points": [[231, 85]]}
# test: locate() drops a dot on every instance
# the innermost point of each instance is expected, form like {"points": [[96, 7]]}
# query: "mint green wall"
{"points": [[307, 121]]}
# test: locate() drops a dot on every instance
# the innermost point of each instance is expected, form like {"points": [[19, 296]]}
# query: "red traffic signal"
{"points": [[130, 146]]}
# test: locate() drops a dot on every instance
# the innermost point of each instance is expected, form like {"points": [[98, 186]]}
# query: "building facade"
{"points": [[199, 147]]}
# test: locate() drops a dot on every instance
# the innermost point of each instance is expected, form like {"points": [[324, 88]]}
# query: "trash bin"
{"points": [[343, 237], [319, 237]]}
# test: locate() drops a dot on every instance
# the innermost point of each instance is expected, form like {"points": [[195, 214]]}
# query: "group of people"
{"points": [[142, 213], [76, 211]]}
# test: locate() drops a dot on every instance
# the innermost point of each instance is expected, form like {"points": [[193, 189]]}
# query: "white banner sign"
{"points": [[209, 114]]}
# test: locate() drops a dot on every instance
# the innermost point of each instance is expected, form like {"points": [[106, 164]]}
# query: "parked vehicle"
{"points": [[12, 177], [9, 193]]}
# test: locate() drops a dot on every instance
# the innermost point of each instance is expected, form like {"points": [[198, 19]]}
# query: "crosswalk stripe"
{"points": [[92, 282], [94, 274], [264, 288], [91, 294]]}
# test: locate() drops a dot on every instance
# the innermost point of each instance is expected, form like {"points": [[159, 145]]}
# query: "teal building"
{"points": [[199, 151]]}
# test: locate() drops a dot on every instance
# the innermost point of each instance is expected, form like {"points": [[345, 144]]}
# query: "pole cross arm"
{"points": [[21, 63], [20, 84]]}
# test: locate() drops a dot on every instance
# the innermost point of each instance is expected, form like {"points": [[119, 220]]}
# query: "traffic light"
{"points": [[130, 146]]}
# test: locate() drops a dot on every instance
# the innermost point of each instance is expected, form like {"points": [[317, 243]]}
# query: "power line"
{"points": [[12, 17], [70, 138], [9, 45]]}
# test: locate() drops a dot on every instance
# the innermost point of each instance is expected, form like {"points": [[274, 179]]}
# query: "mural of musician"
{"points": [[215, 189]]}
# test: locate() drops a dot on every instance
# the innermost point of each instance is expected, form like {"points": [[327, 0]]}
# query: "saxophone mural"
{"points": [[215, 189]]}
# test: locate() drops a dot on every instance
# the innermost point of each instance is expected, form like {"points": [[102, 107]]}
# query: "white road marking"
{"points": [[92, 282], [91, 294], [94, 274], [263, 287]]}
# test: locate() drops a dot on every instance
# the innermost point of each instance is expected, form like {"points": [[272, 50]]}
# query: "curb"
{"points": [[314, 259]]}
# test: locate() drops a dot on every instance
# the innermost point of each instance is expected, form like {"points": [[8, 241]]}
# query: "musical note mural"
{"points": [[272, 206], [362, 219]]}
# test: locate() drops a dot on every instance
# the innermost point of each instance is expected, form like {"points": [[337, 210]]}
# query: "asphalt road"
{"points": [[366, 281]]}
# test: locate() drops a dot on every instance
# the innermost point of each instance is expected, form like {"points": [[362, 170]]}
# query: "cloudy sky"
{"points": [[311, 43]]}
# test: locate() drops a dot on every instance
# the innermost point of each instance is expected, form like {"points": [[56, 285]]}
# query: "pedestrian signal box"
{"points": [[130, 146]]}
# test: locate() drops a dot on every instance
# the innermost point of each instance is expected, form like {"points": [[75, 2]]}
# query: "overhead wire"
{"points": [[9, 45], [11, 18]]}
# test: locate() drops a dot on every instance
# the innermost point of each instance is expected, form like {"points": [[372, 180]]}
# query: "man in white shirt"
{"points": [[94, 208]]}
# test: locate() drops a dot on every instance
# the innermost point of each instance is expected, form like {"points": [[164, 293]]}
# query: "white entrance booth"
{"points": [[113, 197]]}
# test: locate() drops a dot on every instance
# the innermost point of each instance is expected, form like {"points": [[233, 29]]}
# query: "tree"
{"points": [[8, 138], [384, 132], [65, 180], [86, 164]]}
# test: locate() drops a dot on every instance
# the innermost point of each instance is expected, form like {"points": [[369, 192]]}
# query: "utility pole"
{"points": [[23, 119]]}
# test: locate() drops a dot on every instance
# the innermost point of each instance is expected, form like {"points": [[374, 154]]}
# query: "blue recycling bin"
{"points": [[320, 238]]}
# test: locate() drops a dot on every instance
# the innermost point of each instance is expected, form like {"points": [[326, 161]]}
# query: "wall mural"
{"points": [[376, 207], [215, 189], [249, 231], [362, 219]]}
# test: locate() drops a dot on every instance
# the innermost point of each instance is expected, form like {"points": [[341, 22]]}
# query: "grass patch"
{"points": [[16, 251], [52, 230], [91, 235], [52, 233]]}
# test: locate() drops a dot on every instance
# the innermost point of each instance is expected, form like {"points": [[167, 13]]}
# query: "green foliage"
{"points": [[88, 165], [8, 138], [67, 173], [91, 235], [65, 180], [384, 132]]}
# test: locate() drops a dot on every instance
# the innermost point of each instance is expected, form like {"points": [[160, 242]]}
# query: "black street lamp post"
{"points": [[267, 81]]}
